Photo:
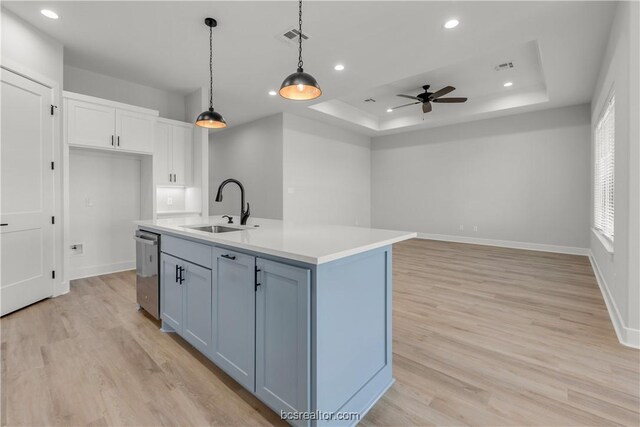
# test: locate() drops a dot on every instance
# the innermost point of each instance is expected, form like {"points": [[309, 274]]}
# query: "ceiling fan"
{"points": [[427, 98]]}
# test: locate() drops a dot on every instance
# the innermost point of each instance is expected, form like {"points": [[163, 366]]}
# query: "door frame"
{"points": [[59, 285]]}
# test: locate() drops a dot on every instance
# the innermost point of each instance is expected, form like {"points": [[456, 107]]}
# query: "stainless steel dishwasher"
{"points": [[147, 267]]}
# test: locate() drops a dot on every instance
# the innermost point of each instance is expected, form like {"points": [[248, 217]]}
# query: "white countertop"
{"points": [[312, 244]]}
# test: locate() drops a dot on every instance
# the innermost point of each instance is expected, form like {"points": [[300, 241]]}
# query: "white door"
{"points": [[26, 197], [134, 131], [90, 124], [180, 153], [162, 154]]}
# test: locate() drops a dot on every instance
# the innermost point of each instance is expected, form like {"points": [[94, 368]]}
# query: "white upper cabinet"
{"points": [[134, 131], [90, 124], [98, 123], [172, 154]]}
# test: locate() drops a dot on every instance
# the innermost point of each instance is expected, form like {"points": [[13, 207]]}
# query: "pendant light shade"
{"points": [[211, 119], [300, 86]]}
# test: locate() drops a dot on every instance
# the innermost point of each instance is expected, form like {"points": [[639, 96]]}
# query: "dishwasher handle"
{"points": [[146, 241]]}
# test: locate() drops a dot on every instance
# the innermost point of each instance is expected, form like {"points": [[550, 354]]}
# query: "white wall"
{"points": [[170, 104], [32, 53], [252, 154], [327, 173], [619, 271], [197, 196], [104, 201], [523, 178]]}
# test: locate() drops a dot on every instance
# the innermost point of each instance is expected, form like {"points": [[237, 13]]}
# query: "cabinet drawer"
{"points": [[196, 253]]}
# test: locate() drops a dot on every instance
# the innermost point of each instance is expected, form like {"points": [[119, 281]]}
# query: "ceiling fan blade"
{"points": [[449, 100], [409, 96], [406, 105], [442, 92], [426, 107]]}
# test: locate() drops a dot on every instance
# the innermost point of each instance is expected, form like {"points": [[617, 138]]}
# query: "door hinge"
{"points": [[53, 274], [53, 165], [52, 109], [53, 220]]}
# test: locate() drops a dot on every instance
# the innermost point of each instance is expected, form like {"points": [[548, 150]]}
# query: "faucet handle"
{"points": [[230, 221]]}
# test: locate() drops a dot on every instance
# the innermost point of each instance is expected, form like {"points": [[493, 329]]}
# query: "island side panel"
{"points": [[351, 334]]}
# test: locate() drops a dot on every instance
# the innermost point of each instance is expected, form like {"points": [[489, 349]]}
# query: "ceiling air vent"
{"points": [[504, 66], [292, 35]]}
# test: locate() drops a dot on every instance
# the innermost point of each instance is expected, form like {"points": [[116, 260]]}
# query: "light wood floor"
{"points": [[482, 336]]}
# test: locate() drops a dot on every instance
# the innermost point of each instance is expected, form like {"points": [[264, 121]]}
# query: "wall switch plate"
{"points": [[475, 228], [169, 201], [76, 248], [87, 202], [461, 227]]}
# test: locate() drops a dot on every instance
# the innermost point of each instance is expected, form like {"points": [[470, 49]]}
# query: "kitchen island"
{"points": [[300, 315]]}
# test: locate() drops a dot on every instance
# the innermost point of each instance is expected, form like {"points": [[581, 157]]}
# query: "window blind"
{"points": [[604, 172]]}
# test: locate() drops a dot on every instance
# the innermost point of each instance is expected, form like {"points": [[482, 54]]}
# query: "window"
{"points": [[604, 137]]}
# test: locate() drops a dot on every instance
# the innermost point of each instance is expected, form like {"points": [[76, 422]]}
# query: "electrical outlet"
{"points": [[169, 201], [76, 249], [87, 202], [475, 228], [461, 227]]}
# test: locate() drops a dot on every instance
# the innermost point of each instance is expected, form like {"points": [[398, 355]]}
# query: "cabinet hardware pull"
{"points": [[118, 140], [232, 257], [177, 273], [174, 178], [169, 177], [257, 283], [112, 140], [4, 224], [181, 276]]}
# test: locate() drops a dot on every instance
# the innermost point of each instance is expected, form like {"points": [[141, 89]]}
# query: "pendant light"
{"points": [[211, 119], [300, 86]]}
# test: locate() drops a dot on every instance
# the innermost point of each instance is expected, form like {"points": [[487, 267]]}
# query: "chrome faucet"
{"points": [[244, 215]]}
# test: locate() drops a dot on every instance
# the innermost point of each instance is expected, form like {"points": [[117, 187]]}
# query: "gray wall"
{"points": [[522, 178], [251, 153], [620, 270], [170, 104], [327, 173]]}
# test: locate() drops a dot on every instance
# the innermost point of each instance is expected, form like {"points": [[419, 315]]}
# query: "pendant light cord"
{"points": [[211, 68], [300, 36]]}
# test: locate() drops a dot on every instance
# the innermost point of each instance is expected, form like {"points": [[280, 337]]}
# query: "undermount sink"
{"points": [[215, 228]]}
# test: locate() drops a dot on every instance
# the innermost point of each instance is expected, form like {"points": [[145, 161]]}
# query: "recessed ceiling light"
{"points": [[451, 23], [339, 67], [507, 84], [273, 93], [389, 110], [49, 13]]}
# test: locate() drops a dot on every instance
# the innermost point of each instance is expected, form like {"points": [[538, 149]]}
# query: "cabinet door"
{"points": [[283, 336], [89, 124], [197, 306], [134, 131], [171, 303], [234, 315], [181, 154], [162, 154]]}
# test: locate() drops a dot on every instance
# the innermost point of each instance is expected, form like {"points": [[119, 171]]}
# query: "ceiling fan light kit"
{"points": [[211, 119], [300, 86], [426, 98]]}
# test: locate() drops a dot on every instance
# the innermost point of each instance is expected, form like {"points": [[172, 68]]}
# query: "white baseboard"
{"points": [[506, 244], [627, 336], [97, 270]]}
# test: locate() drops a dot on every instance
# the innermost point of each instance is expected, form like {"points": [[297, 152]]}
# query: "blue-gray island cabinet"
{"points": [[312, 340]]}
